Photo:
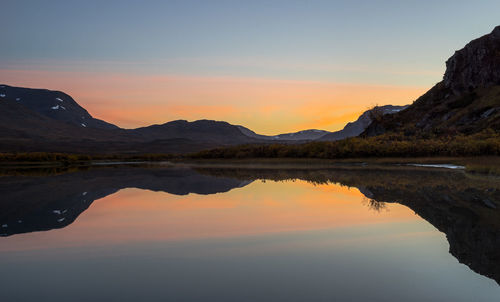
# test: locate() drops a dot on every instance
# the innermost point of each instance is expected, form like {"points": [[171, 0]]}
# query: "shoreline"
{"points": [[479, 164]]}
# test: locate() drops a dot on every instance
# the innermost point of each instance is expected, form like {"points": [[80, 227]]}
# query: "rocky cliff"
{"points": [[476, 65], [466, 101]]}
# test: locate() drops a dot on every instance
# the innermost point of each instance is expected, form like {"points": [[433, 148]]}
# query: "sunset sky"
{"points": [[273, 66]]}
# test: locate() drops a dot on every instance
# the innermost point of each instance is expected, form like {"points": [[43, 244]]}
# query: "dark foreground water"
{"points": [[238, 234]]}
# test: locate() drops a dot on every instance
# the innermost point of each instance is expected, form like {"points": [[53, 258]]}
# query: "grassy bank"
{"points": [[392, 145], [63, 163], [50, 159], [478, 153]]}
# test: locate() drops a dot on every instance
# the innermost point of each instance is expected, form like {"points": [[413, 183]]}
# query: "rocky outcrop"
{"points": [[476, 65], [466, 101]]}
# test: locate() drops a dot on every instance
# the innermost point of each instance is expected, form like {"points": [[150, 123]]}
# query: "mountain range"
{"points": [[45, 120], [466, 101]]}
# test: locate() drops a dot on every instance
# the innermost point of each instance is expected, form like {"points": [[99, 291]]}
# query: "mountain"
{"points": [[350, 130], [466, 101], [52, 121], [310, 134], [56, 105], [201, 130], [357, 127], [303, 135], [21, 127]]}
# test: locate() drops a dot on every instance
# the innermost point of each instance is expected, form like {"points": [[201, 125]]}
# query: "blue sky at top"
{"points": [[381, 42]]}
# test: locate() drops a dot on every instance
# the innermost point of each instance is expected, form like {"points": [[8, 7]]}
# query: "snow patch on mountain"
{"points": [[56, 107]]}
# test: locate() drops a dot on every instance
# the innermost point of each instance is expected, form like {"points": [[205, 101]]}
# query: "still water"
{"points": [[238, 234]]}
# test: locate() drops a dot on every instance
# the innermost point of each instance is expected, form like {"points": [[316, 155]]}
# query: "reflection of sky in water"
{"points": [[266, 241]]}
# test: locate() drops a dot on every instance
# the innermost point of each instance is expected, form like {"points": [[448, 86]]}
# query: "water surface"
{"points": [[239, 234]]}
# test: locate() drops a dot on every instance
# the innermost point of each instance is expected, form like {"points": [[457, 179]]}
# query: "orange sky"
{"points": [[267, 106]]}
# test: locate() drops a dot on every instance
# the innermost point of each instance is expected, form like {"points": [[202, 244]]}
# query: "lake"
{"points": [[239, 233]]}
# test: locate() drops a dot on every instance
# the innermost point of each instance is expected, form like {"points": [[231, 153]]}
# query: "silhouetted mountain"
{"points": [[201, 130], [56, 105], [357, 127], [467, 100], [310, 134], [350, 130], [23, 129], [51, 121], [303, 135]]}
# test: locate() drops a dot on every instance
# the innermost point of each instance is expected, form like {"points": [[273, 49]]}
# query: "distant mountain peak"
{"points": [[303, 135], [364, 120]]}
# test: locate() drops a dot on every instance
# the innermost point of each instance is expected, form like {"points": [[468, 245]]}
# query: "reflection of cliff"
{"points": [[464, 207], [30, 203]]}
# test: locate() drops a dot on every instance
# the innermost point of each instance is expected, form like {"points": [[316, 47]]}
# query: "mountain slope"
{"points": [[20, 122], [357, 127], [466, 101], [51, 121], [310, 134], [201, 130], [44, 120], [53, 104], [350, 130]]}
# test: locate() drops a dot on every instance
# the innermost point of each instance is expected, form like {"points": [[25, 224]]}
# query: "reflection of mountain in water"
{"points": [[31, 204], [462, 206]]}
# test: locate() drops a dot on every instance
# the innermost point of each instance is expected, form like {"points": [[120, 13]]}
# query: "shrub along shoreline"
{"points": [[389, 145], [486, 143]]}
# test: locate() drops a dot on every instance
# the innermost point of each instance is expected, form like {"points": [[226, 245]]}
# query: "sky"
{"points": [[273, 66]]}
